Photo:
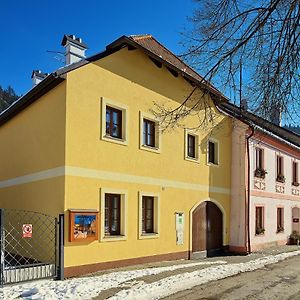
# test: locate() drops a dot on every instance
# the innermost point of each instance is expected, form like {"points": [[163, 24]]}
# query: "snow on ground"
{"points": [[85, 287], [89, 287], [173, 284]]}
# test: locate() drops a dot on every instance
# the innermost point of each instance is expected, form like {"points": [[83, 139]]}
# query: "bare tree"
{"points": [[248, 49]]}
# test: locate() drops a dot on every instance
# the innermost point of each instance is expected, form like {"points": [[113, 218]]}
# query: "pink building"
{"points": [[265, 191]]}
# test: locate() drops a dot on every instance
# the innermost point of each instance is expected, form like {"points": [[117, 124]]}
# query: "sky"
{"points": [[30, 29]]}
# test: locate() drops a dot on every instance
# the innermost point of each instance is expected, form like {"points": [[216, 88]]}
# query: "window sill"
{"points": [[113, 238], [192, 159], [259, 234], [145, 236], [150, 149], [114, 140], [210, 164]]}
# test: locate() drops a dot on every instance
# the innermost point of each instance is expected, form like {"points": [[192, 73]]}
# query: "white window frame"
{"points": [[157, 148], [156, 212], [123, 224], [125, 117], [215, 141], [197, 146]]}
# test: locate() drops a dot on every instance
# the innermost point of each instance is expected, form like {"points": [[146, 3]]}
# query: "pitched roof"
{"points": [[146, 43], [259, 123]]}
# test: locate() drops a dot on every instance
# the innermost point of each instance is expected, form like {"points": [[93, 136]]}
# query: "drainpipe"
{"points": [[248, 191]]}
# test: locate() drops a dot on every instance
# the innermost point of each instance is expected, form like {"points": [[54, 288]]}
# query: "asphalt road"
{"points": [[276, 281]]}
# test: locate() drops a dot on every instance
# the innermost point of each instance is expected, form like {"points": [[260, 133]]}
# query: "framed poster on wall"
{"points": [[83, 225]]}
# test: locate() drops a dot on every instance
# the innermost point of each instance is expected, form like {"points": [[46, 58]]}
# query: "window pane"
{"points": [[191, 146], [211, 152], [112, 214], [147, 214], [113, 122], [149, 133]]}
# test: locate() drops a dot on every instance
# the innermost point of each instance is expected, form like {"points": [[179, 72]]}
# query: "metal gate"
{"points": [[29, 246]]}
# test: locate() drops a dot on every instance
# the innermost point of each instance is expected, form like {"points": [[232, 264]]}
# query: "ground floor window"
{"points": [[149, 214], [259, 220], [280, 224], [113, 215]]}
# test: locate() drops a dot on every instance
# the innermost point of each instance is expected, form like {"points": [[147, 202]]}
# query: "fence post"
{"points": [[2, 241], [61, 242]]}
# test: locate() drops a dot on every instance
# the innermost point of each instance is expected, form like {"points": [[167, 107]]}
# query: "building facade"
{"points": [[265, 182], [85, 143]]}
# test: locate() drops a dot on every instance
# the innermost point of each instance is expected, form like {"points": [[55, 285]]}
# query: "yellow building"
{"points": [[84, 142]]}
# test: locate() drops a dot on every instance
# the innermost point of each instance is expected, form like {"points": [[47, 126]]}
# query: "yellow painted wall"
{"points": [[31, 142], [63, 128], [130, 78]]}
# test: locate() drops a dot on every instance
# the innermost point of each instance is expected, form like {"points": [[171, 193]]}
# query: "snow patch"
{"points": [[87, 287]]}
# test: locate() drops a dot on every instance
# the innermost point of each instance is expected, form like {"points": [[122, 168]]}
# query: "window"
{"points": [[279, 169], [114, 122], [113, 217], [259, 172], [191, 146], [148, 215], [149, 133], [295, 181], [280, 227], [150, 138], [191, 141], [259, 220], [213, 152], [112, 214]]}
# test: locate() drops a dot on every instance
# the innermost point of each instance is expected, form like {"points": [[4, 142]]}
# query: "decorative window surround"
{"points": [[143, 146], [195, 159], [125, 117], [156, 217], [260, 184], [123, 216]]}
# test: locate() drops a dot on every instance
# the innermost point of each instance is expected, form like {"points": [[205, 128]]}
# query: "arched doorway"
{"points": [[207, 228], [295, 219]]}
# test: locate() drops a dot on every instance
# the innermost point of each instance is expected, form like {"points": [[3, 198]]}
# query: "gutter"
{"points": [[247, 198]]}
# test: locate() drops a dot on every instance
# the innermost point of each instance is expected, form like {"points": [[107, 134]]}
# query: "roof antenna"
{"points": [[60, 56]]}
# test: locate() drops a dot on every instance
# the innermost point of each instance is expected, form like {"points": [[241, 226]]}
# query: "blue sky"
{"points": [[29, 28]]}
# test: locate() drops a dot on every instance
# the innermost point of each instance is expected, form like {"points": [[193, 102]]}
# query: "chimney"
{"points": [[37, 76], [75, 48], [244, 104], [276, 114]]}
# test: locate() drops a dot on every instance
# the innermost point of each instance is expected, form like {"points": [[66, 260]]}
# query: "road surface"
{"points": [[277, 281]]}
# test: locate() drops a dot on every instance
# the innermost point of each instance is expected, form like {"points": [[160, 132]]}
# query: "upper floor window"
{"points": [[150, 138], [148, 133], [114, 122], [213, 152], [191, 146], [259, 163], [280, 169], [295, 178]]}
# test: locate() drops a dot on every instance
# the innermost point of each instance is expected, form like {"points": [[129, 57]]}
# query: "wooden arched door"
{"points": [[207, 228]]}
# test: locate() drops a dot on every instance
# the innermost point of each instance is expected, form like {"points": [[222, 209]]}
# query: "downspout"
{"points": [[248, 191]]}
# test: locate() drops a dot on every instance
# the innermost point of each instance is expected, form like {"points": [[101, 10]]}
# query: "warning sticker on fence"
{"points": [[27, 230]]}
